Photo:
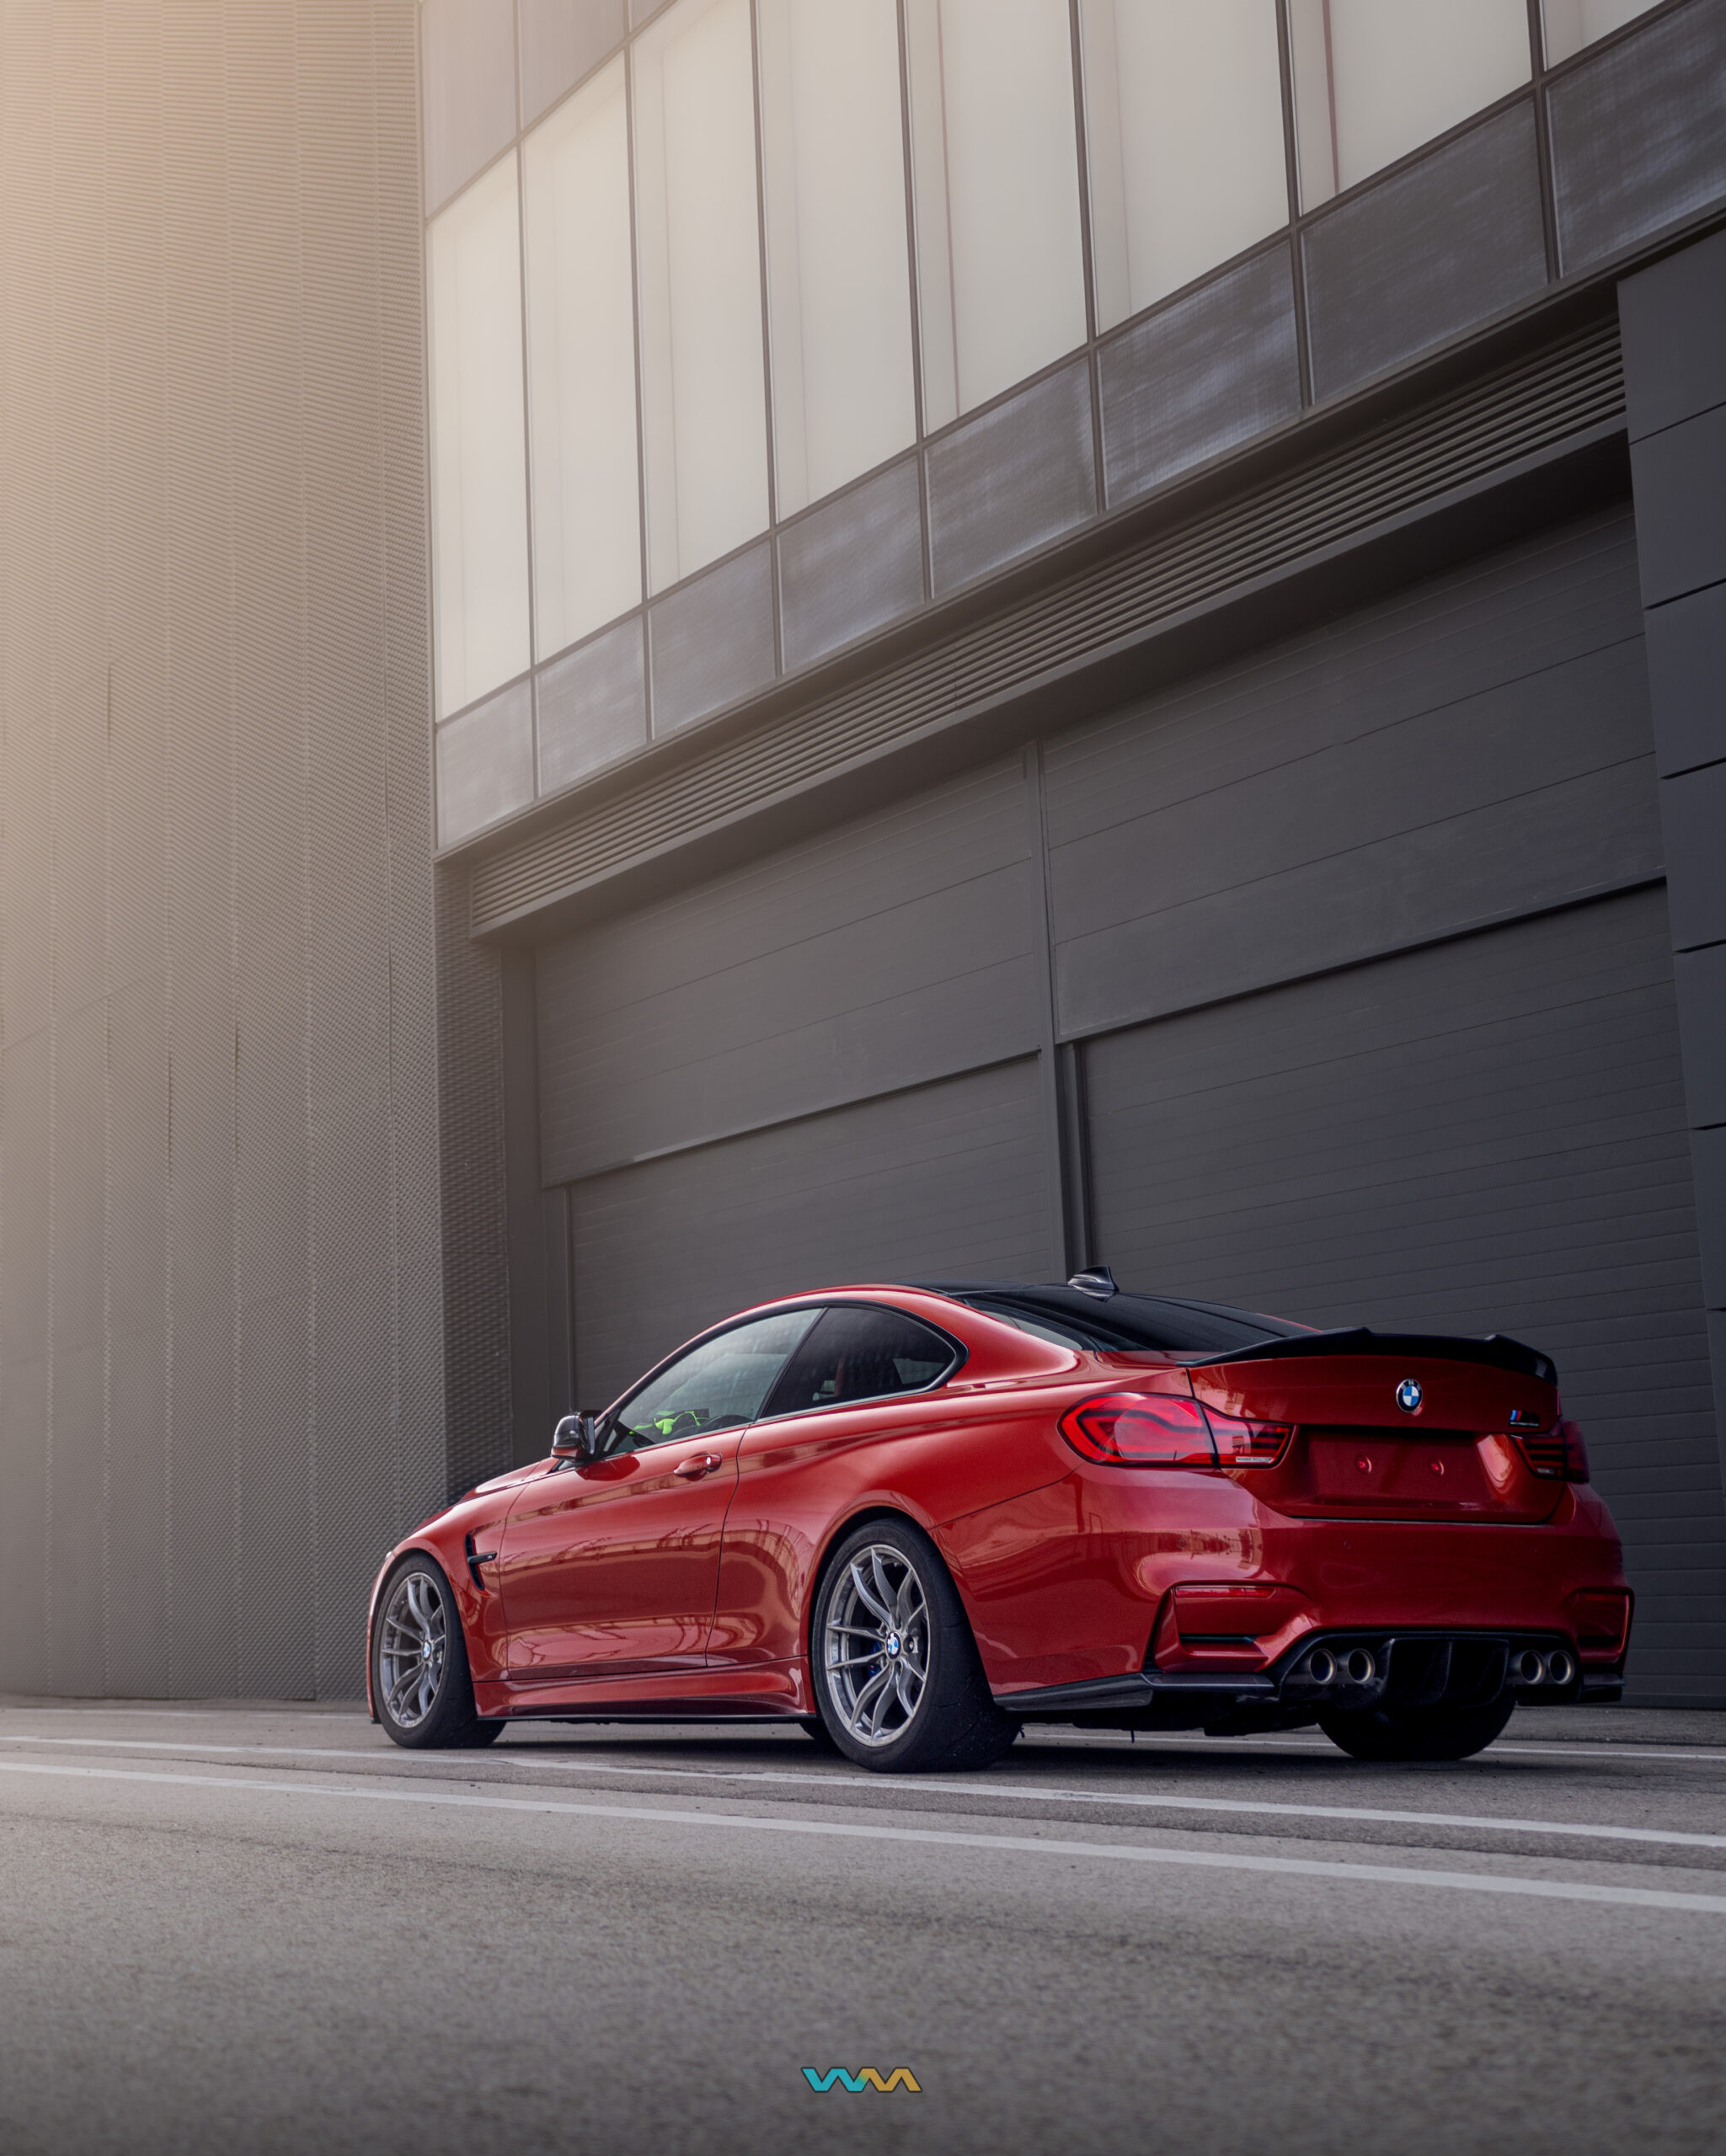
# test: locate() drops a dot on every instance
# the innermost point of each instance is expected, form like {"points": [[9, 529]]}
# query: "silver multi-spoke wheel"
{"points": [[875, 1644], [413, 1649]]}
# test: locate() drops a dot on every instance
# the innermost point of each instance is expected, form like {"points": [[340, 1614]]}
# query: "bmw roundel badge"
{"points": [[1410, 1395]]}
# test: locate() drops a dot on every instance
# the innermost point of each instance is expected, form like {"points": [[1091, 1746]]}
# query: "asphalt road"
{"points": [[239, 1928]]}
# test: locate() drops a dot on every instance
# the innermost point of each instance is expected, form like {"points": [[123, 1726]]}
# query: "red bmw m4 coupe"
{"points": [[916, 1518]]}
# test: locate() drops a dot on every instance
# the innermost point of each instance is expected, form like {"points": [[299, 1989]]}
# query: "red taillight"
{"points": [[1139, 1429], [1149, 1429], [1243, 1443], [1556, 1455]]}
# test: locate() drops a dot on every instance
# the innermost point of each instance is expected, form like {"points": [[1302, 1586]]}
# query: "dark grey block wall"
{"points": [[937, 1181], [220, 1366], [1474, 749], [1674, 323], [897, 950]]}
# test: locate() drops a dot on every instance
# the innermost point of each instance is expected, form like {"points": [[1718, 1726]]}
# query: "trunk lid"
{"points": [[1360, 1450]]}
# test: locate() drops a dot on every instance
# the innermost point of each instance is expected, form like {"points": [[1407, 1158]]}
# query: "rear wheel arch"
{"points": [[836, 1535]]}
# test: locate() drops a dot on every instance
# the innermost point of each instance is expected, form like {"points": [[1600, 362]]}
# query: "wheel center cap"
{"points": [[893, 1643]]}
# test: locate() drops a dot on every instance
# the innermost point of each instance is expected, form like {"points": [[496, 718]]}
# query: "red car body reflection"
{"points": [[679, 1580]]}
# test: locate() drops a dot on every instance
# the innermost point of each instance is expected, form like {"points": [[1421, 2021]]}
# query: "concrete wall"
{"points": [[221, 1367]]}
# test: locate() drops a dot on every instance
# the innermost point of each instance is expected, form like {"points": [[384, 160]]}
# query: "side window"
{"points": [[860, 1351], [720, 1383]]}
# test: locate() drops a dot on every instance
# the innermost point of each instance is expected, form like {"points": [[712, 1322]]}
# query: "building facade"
{"points": [[954, 637]]}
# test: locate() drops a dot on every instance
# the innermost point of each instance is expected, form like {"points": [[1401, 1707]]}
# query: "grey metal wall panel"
{"points": [[475, 1242], [24, 1525], [80, 832], [1674, 314], [1485, 1135], [138, 1586], [77, 1436], [349, 912], [1426, 253], [892, 952], [853, 565], [1701, 979], [1680, 506], [944, 1179], [27, 882], [1708, 1150], [1200, 376], [26, 1150], [711, 641], [1477, 747], [591, 707], [1013, 478], [1636, 138], [1685, 638], [562, 41], [217, 839], [485, 764], [469, 72], [1693, 810], [1672, 326]]}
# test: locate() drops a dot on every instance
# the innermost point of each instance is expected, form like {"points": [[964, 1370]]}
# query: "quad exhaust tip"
{"points": [[1530, 1667], [1356, 1666]]}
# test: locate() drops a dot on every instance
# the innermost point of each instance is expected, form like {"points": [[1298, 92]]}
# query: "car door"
{"points": [[866, 1377], [609, 1568]]}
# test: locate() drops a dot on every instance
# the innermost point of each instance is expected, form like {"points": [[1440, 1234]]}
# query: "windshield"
{"points": [[1123, 1324]]}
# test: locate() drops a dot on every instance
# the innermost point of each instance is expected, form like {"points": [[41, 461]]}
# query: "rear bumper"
{"points": [[1409, 1668]]}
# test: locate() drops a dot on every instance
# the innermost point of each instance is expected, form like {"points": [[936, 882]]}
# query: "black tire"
{"points": [[417, 1595], [1418, 1732], [816, 1730], [953, 1724]]}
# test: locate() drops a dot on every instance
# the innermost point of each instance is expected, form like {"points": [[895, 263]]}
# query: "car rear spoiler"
{"points": [[1495, 1350]]}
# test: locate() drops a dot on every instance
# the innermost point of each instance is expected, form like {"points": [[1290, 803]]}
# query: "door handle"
{"points": [[691, 1470]]}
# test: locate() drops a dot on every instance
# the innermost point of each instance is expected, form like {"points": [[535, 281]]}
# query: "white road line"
{"points": [[1219, 1746], [1670, 1837], [1470, 1882]]}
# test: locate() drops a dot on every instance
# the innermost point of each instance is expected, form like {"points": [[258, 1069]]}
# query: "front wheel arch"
{"points": [[452, 1720]]}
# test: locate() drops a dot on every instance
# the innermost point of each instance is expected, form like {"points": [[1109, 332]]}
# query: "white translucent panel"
{"points": [[1184, 127], [478, 455], [1375, 79], [994, 150], [581, 366], [838, 268], [1570, 24], [703, 382]]}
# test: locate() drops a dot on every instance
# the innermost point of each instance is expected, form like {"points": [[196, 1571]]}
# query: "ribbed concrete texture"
{"points": [[221, 1367]]}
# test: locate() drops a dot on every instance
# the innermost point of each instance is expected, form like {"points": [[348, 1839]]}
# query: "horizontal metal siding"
{"points": [[1486, 1135], [894, 951], [1477, 747], [944, 1179]]}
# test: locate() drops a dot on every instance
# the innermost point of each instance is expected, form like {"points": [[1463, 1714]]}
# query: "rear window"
{"points": [[1126, 1324], [860, 1351]]}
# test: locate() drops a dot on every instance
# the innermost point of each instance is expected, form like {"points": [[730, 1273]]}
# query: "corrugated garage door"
{"points": [[1485, 1135], [942, 1179]]}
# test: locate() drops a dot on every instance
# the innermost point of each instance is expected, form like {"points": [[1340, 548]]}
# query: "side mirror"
{"points": [[575, 1437]]}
